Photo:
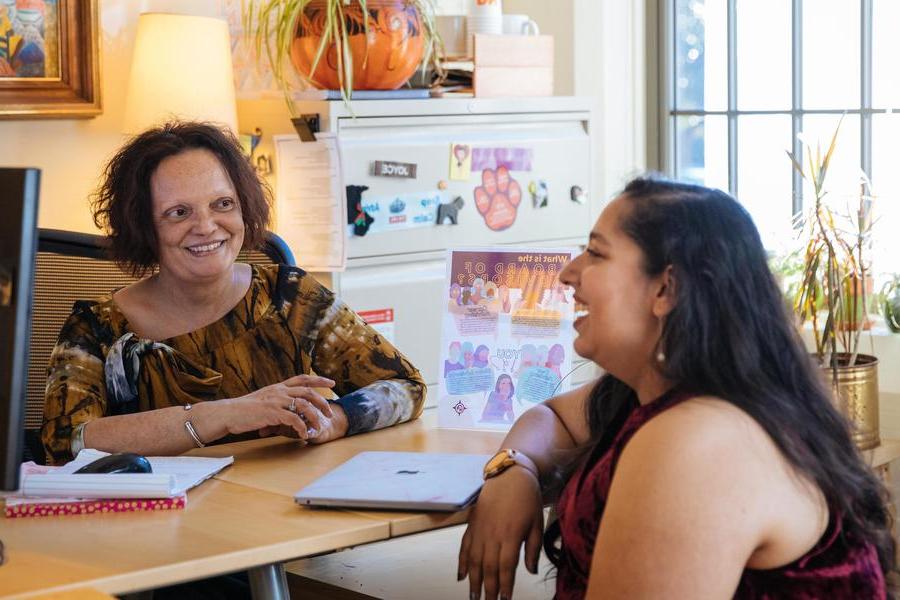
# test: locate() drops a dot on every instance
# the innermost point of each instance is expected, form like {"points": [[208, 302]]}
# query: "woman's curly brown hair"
{"points": [[123, 207]]}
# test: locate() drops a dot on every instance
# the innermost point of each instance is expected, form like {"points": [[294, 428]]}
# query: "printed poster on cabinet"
{"points": [[507, 334]]}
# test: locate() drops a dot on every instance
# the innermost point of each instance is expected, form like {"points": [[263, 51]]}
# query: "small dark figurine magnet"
{"points": [[356, 216], [449, 210]]}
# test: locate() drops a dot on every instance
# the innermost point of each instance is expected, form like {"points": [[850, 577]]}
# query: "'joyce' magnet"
{"points": [[386, 168]]}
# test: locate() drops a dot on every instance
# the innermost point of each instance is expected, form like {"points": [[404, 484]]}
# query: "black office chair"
{"points": [[74, 266]]}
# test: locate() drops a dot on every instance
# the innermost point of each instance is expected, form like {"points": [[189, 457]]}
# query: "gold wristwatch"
{"points": [[506, 458]]}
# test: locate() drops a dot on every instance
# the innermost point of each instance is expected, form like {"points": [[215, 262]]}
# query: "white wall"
{"points": [[610, 63], [556, 18]]}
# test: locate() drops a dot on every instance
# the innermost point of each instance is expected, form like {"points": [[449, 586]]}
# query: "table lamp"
{"points": [[181, 68]]}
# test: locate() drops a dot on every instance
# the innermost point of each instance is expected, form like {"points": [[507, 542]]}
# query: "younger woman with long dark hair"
{"points": [[709, 461]]}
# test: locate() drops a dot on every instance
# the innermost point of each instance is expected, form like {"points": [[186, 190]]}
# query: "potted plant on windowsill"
{"points": [[832, 295], [890, 303], [345, 45]]}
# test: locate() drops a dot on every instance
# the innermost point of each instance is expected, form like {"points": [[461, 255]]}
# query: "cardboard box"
{"points": [[513, 65]]}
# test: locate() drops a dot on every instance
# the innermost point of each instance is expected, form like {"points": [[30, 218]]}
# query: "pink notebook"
{"points": [[17, 508]]}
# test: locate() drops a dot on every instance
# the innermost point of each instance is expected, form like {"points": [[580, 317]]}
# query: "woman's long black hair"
{"points": [[730, 336]]}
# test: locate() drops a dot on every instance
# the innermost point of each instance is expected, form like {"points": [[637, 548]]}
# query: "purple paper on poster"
{"points": [[514, 159]]}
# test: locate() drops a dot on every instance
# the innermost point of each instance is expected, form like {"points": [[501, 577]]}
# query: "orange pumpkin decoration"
{"points": [[383, 60]]}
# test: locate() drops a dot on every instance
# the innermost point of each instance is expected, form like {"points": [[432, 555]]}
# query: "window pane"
{"points": [[701, 55], [764, 59], [886, 55], [831, 54], [701, 150], [843, 177], [886, 186], [764, 175]]}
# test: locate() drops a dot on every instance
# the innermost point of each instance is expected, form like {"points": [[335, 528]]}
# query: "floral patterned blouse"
{"points": [[287, 324]]}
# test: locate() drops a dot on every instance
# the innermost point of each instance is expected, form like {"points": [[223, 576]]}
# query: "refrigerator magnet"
{"points": [[514, 159], [450, 210], [356, 216], [387, 168], [497, 198], [540, 194], [577, 194], [460, 162]]}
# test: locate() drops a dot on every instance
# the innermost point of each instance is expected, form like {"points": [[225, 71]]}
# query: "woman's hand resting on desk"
{"points": [[291, 407], [329, 428], [509, 512]]}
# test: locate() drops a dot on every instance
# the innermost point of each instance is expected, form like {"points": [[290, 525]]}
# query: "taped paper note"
{"points": [[310, 207]]}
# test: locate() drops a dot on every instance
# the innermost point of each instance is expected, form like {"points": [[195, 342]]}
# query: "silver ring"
{"points": [[293, 406]]}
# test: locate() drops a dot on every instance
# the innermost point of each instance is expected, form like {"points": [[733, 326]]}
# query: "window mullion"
{"points": [[866, 34], [667, 133], [732, 99], [796, 102]]}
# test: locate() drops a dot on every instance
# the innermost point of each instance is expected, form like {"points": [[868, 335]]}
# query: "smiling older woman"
{"points": [[206, 348]]}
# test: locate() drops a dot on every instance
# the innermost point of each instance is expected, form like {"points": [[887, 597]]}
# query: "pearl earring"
{"points": [[660, 357]]}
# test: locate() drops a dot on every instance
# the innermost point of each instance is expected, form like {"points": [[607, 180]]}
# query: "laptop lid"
{"points": [[399, 480]]}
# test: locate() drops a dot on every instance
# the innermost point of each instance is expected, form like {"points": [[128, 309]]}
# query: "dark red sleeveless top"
{"points": [[837, 567]]}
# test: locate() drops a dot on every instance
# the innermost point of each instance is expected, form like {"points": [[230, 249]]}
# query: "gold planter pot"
{"points": [[856, 397]]}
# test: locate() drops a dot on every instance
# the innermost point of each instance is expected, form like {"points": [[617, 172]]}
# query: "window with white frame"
{"points": [[744, 77]]}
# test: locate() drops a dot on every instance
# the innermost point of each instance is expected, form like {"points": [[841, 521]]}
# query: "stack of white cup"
{"points": [[484, 16]]}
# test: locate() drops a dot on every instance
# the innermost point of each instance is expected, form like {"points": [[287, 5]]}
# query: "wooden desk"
{"points": [[224, 528], [244, 519]]}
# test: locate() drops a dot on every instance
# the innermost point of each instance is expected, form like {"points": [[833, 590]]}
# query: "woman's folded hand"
{"points": [[290, 407], [330, 427]]}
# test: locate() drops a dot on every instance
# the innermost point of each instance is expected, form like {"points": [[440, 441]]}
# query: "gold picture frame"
{"points": [[64, 80]]}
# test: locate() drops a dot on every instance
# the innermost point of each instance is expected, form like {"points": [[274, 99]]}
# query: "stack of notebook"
{"points": [[46, 491]]}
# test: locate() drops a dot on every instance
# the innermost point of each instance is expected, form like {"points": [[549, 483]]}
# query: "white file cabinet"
{"points": [[403, 270]]}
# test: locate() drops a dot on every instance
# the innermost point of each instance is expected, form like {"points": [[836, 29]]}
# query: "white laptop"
{"points": [[399, 480]]}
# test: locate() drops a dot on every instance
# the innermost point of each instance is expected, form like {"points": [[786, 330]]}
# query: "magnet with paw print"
{"points": [[498, 198]]}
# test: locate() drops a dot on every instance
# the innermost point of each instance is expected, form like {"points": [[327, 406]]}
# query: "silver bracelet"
{"points": [[191, 431], [77, 444]]}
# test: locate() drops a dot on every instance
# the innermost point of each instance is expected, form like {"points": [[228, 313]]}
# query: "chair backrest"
{"points": [[74, 266]]}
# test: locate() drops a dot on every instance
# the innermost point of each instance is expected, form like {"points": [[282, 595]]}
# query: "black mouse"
{"points": [[124, 462]]}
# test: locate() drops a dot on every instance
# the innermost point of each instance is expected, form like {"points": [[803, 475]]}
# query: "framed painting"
{"points": [[49, 59]]}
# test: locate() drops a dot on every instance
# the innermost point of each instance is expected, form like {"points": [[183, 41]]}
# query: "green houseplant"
{"points": [[831, 292], [890, 303], [345, 44]]}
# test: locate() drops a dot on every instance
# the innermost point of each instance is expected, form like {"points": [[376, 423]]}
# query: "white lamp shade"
{"points": [[181, 68]]}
